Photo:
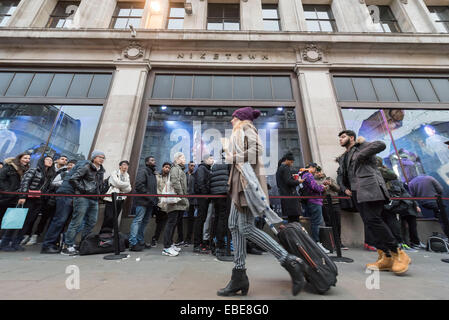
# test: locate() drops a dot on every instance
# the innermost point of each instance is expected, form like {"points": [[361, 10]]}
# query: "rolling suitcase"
{"points": [[322, 272], [327, 238]]}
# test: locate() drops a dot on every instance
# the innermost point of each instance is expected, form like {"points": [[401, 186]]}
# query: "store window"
{"points": [[47, 129], [63, 13], [176, 14], [7, 9], [384, 19], [270, 15], [127, 14], [319, 18], [440, 14], [196, 131], [223, 16]]}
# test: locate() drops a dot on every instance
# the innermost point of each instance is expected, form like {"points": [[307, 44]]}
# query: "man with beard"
{"points": [[360, 178]]}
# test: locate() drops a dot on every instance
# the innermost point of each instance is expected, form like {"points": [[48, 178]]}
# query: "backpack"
{"points": [[437, 243]]}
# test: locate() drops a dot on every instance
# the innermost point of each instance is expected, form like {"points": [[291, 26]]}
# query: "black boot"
{"points": [[295, 267], [239, 282]]}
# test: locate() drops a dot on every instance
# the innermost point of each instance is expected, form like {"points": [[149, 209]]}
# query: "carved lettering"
{"points": [[264, 57], [216, 56], [228, 55], [252, 56], [239, 56], [180, 55], [203, 56]]}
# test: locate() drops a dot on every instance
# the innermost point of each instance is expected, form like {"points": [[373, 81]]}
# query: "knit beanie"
{"points": [[97, 153], [246, 113]]}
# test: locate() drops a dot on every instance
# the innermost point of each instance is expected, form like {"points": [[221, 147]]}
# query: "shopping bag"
{"points": [[14, 218], [168, 189]]}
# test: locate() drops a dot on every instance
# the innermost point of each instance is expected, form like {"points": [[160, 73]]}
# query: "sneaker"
{"points": [[153, 242], [197, 249], [204, 249], [49, 250], [18, 247], [369, 248], [32, 241], [405, 247], [25, 240], [322, 248], [343, 247], [175, 247], [137, 247], [170, 252], [420, 246], [179, 243], [186, 244], [69, 251], [147, 245]]}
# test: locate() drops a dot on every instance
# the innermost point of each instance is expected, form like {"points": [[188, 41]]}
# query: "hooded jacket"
{"points": [[38, 178], [10, 177]]}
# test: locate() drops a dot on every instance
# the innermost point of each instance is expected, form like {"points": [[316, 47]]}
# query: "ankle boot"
{"points": [[295, 267], [383, 262], [400, 262], [239, 282]]}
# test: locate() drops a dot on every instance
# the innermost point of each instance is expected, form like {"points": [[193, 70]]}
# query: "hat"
{"points": [[96, 153], [312, 165], [246, 113]]}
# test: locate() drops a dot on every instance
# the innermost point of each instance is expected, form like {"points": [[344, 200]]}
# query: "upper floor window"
{"points": [[176, 16], [223, 16], [440, 14], [62, 15], [7, 9], [386, 21], [127, 14], [319, 18], [270, 14]]}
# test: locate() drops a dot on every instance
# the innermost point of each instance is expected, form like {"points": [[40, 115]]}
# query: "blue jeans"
{"points": [[140, 221], [64, 208], [315, 213], [84, 210]]}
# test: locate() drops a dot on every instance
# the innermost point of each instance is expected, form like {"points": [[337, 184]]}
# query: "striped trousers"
{"points": [[241, 225]]}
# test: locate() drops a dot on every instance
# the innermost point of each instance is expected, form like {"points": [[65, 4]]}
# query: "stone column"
{"points": [[198, 19], [413, 16], [251, 15], [155, 19], [33, 13], [352, 16], [121, 114], [292, 16], [94, 14]]}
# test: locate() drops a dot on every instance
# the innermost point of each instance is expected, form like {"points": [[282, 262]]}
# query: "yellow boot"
{"points": [[400, 262], [383, 262]]}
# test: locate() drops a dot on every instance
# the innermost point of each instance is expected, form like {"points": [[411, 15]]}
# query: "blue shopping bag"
{"points": [[14, 218]]}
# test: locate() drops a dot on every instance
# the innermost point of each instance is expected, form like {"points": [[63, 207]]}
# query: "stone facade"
{"points": [[312, 56]]}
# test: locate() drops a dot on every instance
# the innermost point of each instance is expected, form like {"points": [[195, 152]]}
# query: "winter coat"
{"points": [[146, 183], [250, 149], [312, 188], [425, 186], [361, 174], [87, 179], [287, 187], [202, 179], [117, 185], [38, 178], [402, 207], [219, 178], [10, 178], [178, 181]]}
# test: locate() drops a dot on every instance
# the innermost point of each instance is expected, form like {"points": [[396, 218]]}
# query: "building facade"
{"points": [[139, 78]]}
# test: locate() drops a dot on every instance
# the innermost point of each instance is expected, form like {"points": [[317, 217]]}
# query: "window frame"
{"points": [[175, 5], [329, 12], [58, 18], [223, 18], [382, 21], [132, 5], [278, 19], [4, 15], [444, 23]]}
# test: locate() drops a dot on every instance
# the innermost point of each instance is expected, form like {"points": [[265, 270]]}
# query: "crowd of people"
{"points": [[210, 221]]}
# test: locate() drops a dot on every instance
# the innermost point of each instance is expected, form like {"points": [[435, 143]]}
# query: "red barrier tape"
{"points": [[195, 196]]}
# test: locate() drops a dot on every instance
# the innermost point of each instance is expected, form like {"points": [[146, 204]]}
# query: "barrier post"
{"points": [[116, 255], [333, 217]]}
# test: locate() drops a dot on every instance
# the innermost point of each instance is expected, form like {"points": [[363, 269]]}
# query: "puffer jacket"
{"points": [[202, 179], [87, 179], [10, 178], [178, 181], [38, 178], [219, 178]]}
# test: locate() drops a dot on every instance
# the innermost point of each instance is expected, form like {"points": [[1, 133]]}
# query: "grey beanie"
{"points": [[97, 153]]}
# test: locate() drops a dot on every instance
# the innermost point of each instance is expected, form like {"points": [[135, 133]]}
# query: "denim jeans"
{"points": [[137, 230], [85, 210], [315, 213], [64, 208]]}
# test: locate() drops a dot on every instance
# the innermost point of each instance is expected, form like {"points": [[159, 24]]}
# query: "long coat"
{"points": [[287, 187], [178, 180], [362, 173]]}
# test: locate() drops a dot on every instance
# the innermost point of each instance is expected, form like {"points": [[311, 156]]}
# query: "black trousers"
{"points": [[369, 237], [108, 221], [190, 223], [203, 206], [170, 227], [393, 224], [432, 204], [161, 221], [180, 228], [34, 208], [382, 235], [220, 226], [327, 216], [410, 221]]}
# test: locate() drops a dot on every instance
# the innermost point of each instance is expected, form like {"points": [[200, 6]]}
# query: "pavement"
{"points": [[148, 275]]}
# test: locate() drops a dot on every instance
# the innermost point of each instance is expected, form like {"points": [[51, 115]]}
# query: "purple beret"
{"points": [[246, 113]]}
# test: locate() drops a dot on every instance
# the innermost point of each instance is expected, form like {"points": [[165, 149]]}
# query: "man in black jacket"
{"points": [[287, 187], [86, 180], [202, 186], [219, 186], [146, 183], [361, 179]]}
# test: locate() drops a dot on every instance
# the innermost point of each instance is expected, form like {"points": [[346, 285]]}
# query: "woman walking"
{"points": [[246, 149]]}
